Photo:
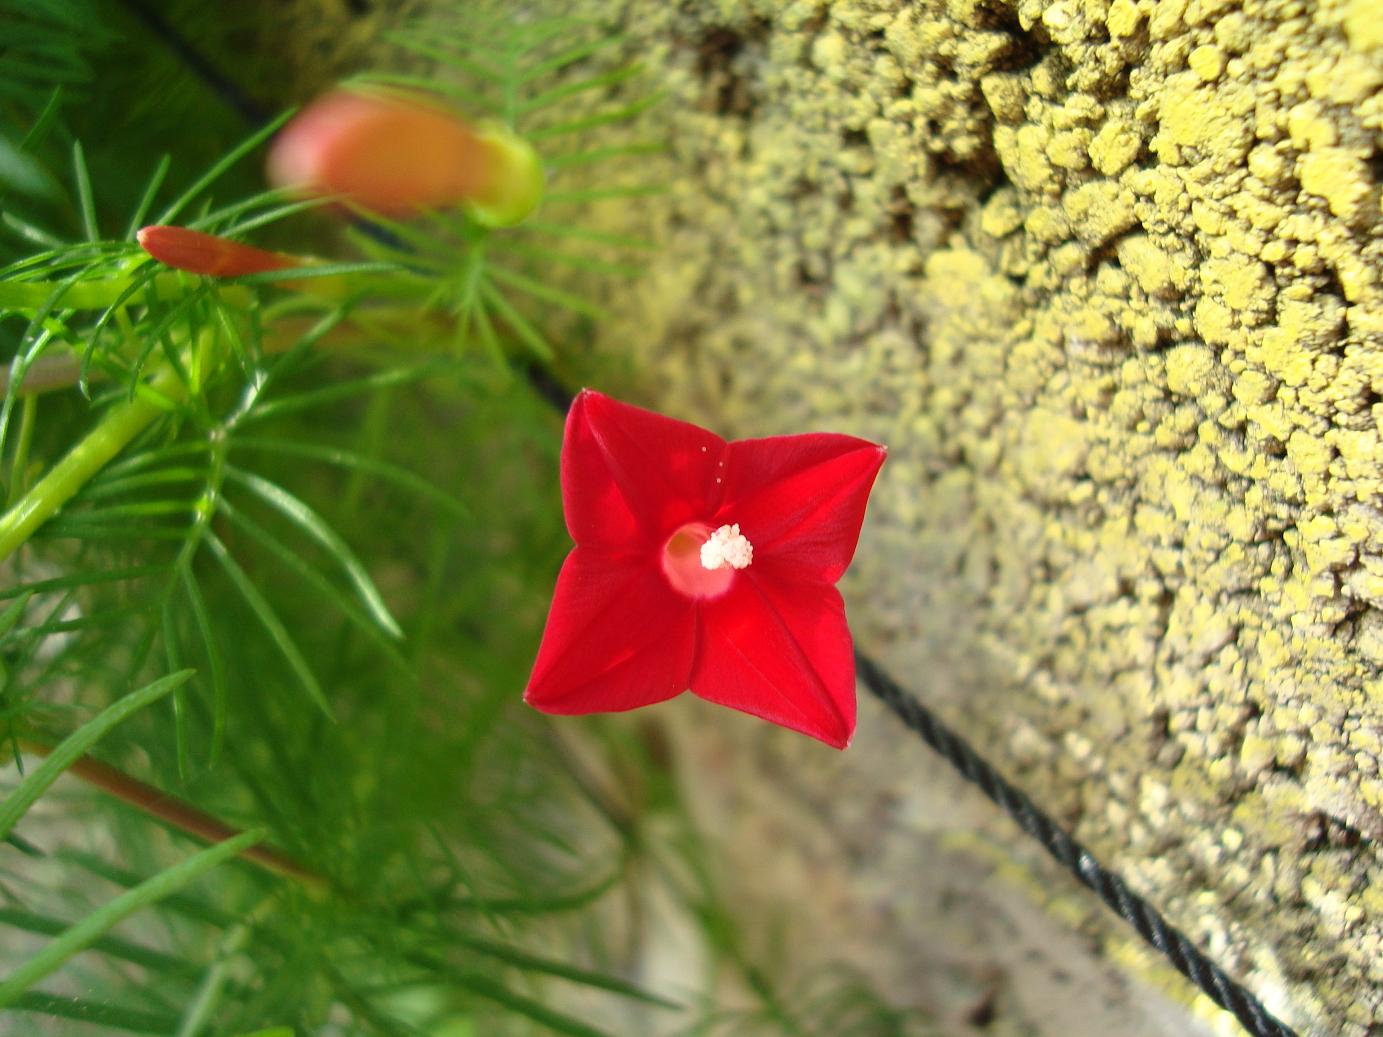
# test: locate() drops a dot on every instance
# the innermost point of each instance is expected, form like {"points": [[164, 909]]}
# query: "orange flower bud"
{"points": [[397, 156], [199, 253]]}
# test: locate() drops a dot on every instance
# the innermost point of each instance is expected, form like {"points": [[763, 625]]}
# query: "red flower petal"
{"points": [[630, 477], [781, 652], [617, 637], [800, 499]]}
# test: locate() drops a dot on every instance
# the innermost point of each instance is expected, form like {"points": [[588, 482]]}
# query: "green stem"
{"points": [[19, 468], [121, 424], [98, 295]]}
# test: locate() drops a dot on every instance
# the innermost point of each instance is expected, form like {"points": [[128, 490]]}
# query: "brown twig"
{"points": [[180, 814]]}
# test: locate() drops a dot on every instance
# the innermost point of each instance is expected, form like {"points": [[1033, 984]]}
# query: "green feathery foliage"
{"points": [[197, 476], [273, 560]]}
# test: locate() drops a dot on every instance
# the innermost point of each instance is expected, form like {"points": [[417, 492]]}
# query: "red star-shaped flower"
{"points": [[706, 566]]}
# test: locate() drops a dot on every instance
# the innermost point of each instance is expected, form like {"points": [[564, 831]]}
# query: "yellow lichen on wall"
{"points": [[1105, 275]]}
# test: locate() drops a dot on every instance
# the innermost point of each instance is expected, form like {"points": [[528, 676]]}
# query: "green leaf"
{"points": [[186, 906], [77, 743], [567, 230], [13, 612], [83, 579], [533, 963], [546, 292], [357, 462], [308, 575], [216, 665], [593, 155], [303, 273], [469, 98], [600, 194], [489, 989], [113, 945], [101, 487], [103, 919], [100, 1013], [579, 86], [269, 619], [385, 379], [84, 196], [552, 257], [591, 122], [231, 158], [316, 528], [23, 173], [469, 64], [523, 328], [147, 199], [567, 57]]}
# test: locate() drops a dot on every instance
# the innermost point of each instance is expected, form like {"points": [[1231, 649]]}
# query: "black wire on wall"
{"points": [[1075, 858]]}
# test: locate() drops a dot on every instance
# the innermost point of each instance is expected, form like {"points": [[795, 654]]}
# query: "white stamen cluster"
{"points": [[726, 547]]}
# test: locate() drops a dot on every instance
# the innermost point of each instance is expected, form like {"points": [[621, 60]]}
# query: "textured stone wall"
{"points": [[1105, 275]]}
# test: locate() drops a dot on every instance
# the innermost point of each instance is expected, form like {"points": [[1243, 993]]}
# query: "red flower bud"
{"points": [[199, 253], [397, 156]]}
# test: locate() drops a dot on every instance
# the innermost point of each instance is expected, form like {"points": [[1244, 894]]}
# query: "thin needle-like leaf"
{"points": [[82, 579], [469, 64], [98, 1013], [316, 580], [485, 328], [355, 461], [214, 173], [489, 989], [566, 90], [184, 904], [172, 647], [590, 122], [575, 261], [523, 328], [522, 959], [269, 619], [593, 155], [598, 194], [316, 528], [38, 132], [566, 230], [342, 390], [84, 198], [14, 611], [146, 201], [145, 957], [77, 743], [29, 231], [546, 292], [216, 666], [103, 919], [567, 57], [469, 98]]}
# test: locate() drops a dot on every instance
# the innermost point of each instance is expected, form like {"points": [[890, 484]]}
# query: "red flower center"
{"points": [[682, 563]]}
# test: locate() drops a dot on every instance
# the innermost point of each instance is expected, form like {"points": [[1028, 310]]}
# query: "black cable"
{"points": [[1155, 929], [226, 88]]}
